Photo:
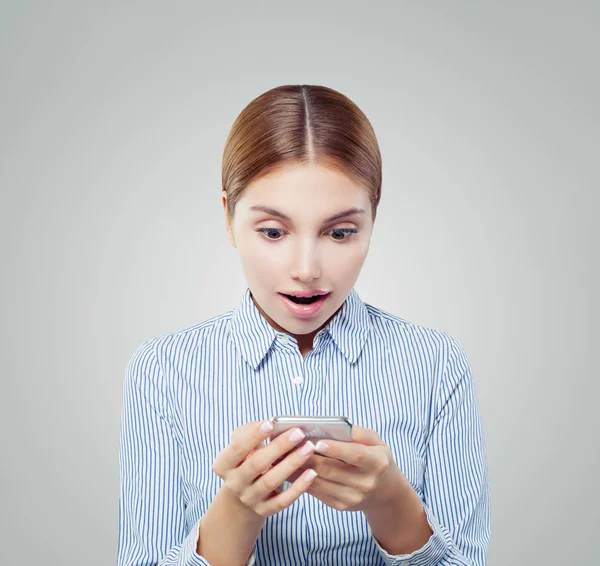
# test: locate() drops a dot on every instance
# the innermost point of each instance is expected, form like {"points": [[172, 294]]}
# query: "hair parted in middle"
{"points": [[301, 124]]}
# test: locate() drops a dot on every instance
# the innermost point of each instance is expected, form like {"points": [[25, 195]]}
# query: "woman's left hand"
{"points": [[355, 476]]}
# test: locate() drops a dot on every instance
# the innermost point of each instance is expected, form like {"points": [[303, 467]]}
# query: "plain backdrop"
{"points": [[113, 118]]}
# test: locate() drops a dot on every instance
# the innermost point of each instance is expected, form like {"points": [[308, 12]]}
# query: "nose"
{"points": [[305, 264]]}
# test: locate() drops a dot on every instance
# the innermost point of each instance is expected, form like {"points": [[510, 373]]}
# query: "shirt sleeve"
{"points": [[152, 528], [456, 495]]}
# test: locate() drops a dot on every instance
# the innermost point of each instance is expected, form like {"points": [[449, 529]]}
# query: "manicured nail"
{"points": [[322, 447], [307, 448], [296, 435], [266, 427], [310, 475]]}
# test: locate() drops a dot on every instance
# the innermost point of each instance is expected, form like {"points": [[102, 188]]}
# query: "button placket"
{"points": [[314, 366], [289, 365]]}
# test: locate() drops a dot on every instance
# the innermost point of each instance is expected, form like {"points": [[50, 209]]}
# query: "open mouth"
{"points": [[305, 300]]}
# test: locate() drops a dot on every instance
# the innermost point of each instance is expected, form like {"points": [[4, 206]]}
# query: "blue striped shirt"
{"points": [[186, 391]]}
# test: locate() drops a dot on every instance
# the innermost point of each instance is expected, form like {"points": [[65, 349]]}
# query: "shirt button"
{"points": [[404, 563], [298, 380], [285, 339]]}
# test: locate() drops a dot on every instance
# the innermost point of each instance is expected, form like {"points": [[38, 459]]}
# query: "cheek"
{"points": [[346, 261], [259, 259]]}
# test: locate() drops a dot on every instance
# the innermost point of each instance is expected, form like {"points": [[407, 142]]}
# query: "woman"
{"points": [[200, 483]]}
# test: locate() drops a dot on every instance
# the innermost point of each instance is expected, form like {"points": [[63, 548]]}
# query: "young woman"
{"points": [[200, 482]]}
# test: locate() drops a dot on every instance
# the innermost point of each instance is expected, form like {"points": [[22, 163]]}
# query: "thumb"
{"points": [[366, 436]]}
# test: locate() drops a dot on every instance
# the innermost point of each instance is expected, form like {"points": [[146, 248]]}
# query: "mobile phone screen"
{"points": [[315, 428]]}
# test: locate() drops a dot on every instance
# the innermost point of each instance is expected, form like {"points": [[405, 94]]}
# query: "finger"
{"points": [[342, 492], [287, 497], [323, 466], [357, 452], [366, 436], [337, 472], [329, 500], [274, 478], [243, 440], [265, 458], [314, 462], [349, 452], [295, 475]]}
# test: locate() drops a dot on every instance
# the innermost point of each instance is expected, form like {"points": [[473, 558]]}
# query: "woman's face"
{"points": [[288, 243]]}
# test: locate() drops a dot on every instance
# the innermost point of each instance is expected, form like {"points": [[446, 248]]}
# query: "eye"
{"points": [[271, 231], [338, 234], [344, 233]]}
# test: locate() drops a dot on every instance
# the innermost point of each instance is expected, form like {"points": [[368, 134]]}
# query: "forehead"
{"points": [[297, 186]]}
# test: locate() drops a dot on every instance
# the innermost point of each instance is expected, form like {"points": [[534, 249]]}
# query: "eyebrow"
{"points": [[274, 212]]}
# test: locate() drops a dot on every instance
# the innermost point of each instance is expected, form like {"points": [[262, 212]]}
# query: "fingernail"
{"points": [[310, 475], [266, 427], [296, 435], [322, 447], [307, 449]]}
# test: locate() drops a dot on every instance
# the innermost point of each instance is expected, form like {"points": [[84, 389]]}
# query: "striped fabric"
{"points": [[186, 391]]}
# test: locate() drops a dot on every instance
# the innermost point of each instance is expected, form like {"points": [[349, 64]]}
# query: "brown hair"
{"points": [[301, 124]]}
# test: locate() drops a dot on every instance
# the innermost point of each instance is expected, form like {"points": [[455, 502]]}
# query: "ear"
{"points": [[228, 226]]}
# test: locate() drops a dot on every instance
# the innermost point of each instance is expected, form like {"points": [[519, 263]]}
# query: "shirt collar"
{"points": [[253, 336]]}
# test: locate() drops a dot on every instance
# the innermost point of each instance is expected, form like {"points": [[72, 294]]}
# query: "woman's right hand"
{"points": [[253, 472]]}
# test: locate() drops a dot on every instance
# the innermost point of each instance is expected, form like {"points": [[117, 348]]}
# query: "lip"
{"points": [[304, 311]]}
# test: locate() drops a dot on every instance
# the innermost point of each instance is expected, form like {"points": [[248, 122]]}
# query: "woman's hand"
{"points": [[253, 474], [355, 476]]}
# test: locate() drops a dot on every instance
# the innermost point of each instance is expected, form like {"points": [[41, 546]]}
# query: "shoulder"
{"points": [[397, 332], [433, 352], [159, 350]]}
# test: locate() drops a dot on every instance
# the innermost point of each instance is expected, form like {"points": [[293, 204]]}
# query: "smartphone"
{"points": [[336, 428]]}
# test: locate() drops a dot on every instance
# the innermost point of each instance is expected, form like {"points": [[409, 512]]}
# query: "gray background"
{"points": [[113, 119]]}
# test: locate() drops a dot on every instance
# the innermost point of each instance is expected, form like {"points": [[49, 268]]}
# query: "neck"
{"points": [[305, 341]]}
